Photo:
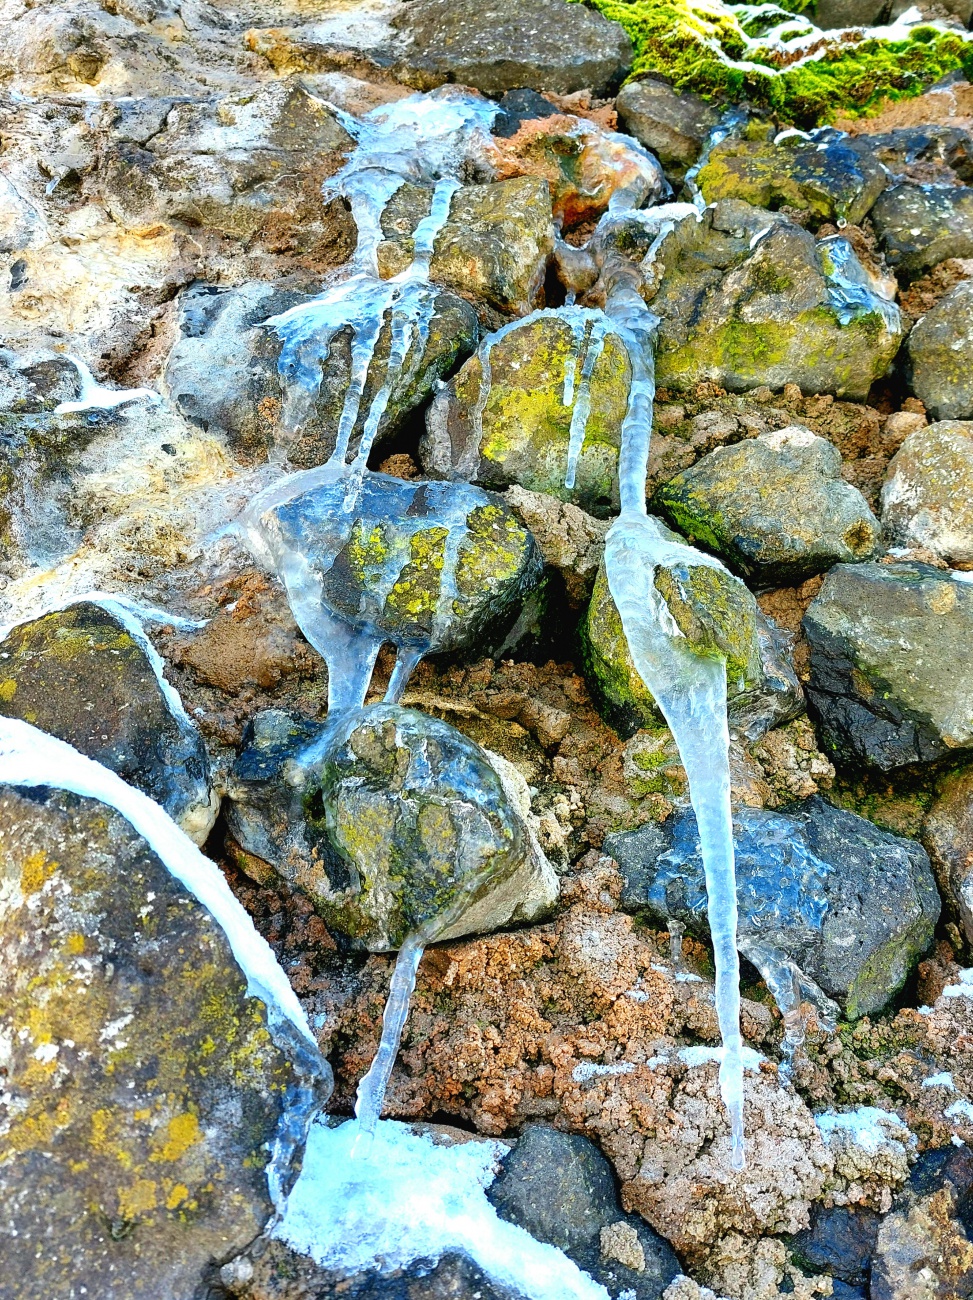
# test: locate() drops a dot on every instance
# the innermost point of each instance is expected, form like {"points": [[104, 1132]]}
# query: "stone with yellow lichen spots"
{"points": [[143, 1085]]}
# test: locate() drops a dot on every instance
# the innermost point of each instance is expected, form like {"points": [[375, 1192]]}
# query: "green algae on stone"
{"points": [[524, 425], [144, 1088]]}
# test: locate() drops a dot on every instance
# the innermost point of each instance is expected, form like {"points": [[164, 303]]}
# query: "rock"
{"points": [[775, 507], [520, 106], [939, 356], [927, 500], [399, 823], [88, 675], [923, 153], [570, 541], [560, 1188], [919, 226], [748, 298], [891, 682], [493, 249], [719, 616], [221, 331], [829, 14], [947, 833], [433, 566], [852, 906], [248, 166], [674, 126], [923, 1252], [143, 1088], [840, 1242], [826, 179], [501, 46], [518, 429]]}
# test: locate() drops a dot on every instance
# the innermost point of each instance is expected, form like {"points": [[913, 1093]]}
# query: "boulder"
{"points": [[144, 1088], [748, 298], [851, 906], [927, 500], [775, 507], [947, 833], [674, 126], [222, 331], [939, 356], [941, 152], [891, 679], [88, 675], [392, 822], [493, 249], [919, 226], [506, 417], [561, 1189], [823, 178], [501, 46]]}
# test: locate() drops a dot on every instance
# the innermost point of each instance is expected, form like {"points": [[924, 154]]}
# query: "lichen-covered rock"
{"points": [[947, 833], [88, 675], [923, 1251], [927, 500], [852, 906], [674, 126], [775, 507], [718, 616], [222, 331], [919, 226], [493, 249], [891, 677], [749, 298], [825, 179], [940, 356], [503, 418], [561, 1189], [143, 1088], [502, 45]]}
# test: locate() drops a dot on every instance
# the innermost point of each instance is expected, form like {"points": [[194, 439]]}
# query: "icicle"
{"points": [[96, 397], [676, 932], [371, 1090], [582, 400]]}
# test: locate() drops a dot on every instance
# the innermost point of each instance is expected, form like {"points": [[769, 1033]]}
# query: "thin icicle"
{"points": [[582, 400], [371, 1090]]}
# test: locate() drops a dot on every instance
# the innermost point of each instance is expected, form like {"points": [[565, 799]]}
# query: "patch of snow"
{"points": [[869, 1127], [96, 397], [944, 1080], [586, 1070]]}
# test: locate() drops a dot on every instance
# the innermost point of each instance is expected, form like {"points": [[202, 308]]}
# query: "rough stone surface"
{"points": [[940, 356], [775, 507], [743, 311], [501, 46], [927, 500], [923, 1252], [840, 1242], [827, 181], [890, 678], [852, 906], [80, 675], [561, 1189], [918, 226], [143, 1088], [221, 331], [947, 833], [674, 126]]}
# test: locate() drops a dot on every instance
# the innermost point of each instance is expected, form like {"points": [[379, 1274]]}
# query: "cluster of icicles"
{"points": [[426, 139]]}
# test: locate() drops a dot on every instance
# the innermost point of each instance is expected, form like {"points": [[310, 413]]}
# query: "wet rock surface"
{"points": [[919, 226]]}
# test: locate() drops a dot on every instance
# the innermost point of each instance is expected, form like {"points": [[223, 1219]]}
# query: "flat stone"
{"points": [[939, 356], [501, 45], [927, 500], [919, 226], [891, 676]]}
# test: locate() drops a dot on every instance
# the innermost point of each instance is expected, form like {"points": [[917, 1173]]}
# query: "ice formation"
{"points": [[96, 397]]}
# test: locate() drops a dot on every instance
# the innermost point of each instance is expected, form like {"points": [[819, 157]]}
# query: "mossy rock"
{"points": [[939, 358], [144, 1088], [503, 418], [81, 675]]}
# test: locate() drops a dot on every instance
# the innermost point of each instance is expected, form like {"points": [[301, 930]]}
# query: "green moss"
{"points": [[669, 37]]}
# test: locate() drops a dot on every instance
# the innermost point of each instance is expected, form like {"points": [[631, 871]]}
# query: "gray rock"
{"points": [[919, 226], [221, 333], [560, 1188], [86, 675], [394, 823], [891, 676], [939, 356], [143, 1091], [909, 147], [501, 45], [839, 1242], [775, 507], [851, 906], [927, 500], [674, 126], [831, 14], [947, 833], [747, 298]]}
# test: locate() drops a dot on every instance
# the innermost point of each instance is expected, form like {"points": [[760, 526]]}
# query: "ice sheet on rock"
{"points": [[696, 1056], [96, 397], [410, 1198], [852, 292]]}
